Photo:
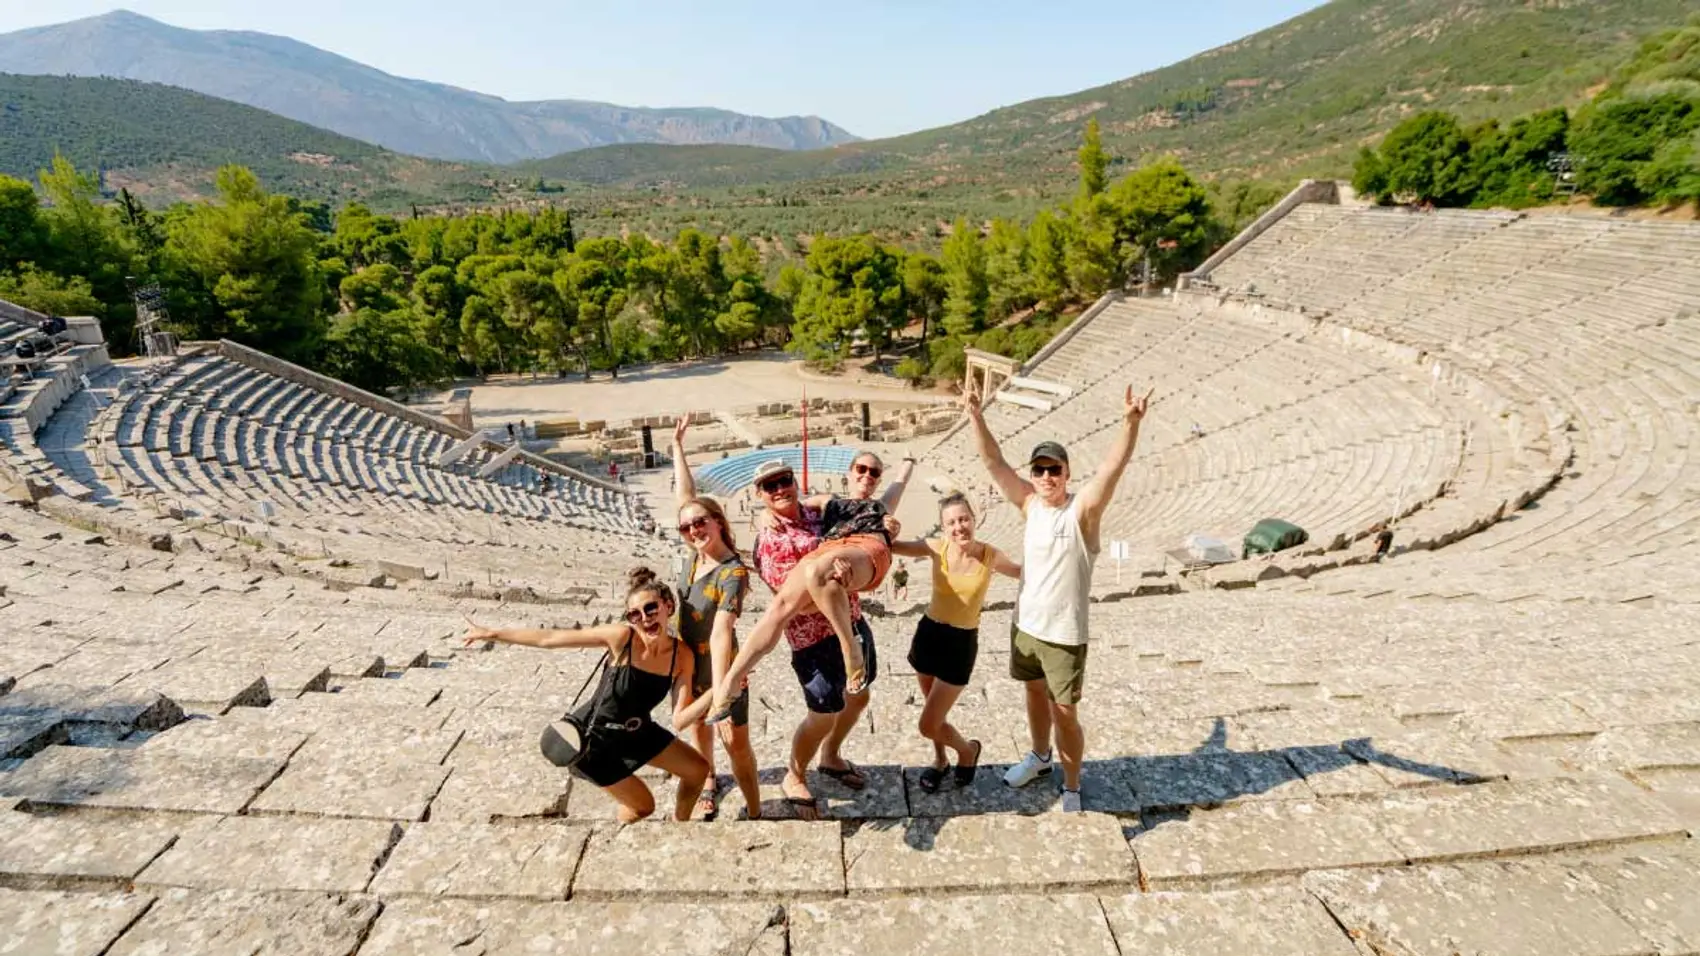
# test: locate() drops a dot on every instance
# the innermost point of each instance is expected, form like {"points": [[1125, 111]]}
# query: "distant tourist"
{"points": [[853, 557], [711, 594], [947, 639], [1197, 430], [643, 665], [900, 582], [510, 431], [1059, 545], [546, 482], [1383, 540]]}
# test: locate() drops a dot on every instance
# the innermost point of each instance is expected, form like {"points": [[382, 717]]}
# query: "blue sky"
{"points": [[875, 67]]}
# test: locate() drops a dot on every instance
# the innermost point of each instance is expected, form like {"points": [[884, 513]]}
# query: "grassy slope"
{"points": [[164, 143], [1296, 99]]}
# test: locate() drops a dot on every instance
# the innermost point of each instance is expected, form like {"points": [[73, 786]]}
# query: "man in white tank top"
{"points": [[1048, 643]]}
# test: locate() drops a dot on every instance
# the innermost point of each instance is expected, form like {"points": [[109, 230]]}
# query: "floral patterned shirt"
{"points": [[778, 550]]}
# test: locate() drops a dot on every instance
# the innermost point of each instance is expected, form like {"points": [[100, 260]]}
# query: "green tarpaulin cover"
{"points": [[1273, 534]]}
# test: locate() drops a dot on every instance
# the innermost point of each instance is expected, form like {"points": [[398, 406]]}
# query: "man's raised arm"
{"points": [[1095, 497], [1013, 486]]}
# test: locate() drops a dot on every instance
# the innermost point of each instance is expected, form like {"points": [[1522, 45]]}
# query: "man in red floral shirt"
{"points": [[793, 531]]}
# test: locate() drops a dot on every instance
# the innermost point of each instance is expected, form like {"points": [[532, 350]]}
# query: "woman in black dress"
{"points": [[646, 664]]}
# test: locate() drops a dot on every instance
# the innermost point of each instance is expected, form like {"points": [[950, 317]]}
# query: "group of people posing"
{"points": [[817, 554]]}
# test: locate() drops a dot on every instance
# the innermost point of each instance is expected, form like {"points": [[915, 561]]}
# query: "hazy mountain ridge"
{"points": [[418, 117]]}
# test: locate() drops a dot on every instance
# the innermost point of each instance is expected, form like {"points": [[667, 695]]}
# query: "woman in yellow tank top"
{"points": [[947, 639]]}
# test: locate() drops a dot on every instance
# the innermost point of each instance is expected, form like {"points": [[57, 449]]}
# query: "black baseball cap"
{"points": [[1048, 449]]}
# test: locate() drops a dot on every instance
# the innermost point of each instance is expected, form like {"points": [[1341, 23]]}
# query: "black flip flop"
{"points": [[848, 775], [965, 775], [931, 778], [800, 804]]}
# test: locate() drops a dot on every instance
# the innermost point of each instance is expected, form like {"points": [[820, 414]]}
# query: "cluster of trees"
{"points": [[384, 302], [1636, 142]]}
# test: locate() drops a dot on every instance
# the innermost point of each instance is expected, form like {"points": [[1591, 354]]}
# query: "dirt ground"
{"points": [[709, 385]]}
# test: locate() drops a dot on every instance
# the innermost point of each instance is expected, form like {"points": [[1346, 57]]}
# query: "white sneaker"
{"points": [[1031, 768], [1071, 801]]}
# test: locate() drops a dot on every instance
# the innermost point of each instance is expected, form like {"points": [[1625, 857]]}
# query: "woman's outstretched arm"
{"points": [[1002, 563], [919, 548], [602, 635]]}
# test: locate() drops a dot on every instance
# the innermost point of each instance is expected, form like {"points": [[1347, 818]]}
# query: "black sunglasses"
{"points": [[776, 483], [637, 614], [695, 524], [1042, 471], [873, 470]]}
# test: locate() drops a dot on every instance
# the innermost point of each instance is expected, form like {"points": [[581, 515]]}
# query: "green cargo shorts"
{"points": [[1061, 666]]}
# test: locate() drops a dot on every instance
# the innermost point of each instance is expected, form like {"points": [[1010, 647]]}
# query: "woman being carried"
{"points": [[645, 664], [947, 639], [854, 555]]}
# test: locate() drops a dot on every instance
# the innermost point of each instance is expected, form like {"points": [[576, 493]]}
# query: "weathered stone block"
{"points": [[370, 788], [714, 861], [1521, 817], [1481, 908], [495, 783], [1260, 840], [957, 926], [66, 924], [478, 861], [48, 850], [1276, 922], [234, 921], [214, 686], [138, 779], [1051, 852], [132, 707], [226, 738], [418, 927], [277, 854], [21, 737]]}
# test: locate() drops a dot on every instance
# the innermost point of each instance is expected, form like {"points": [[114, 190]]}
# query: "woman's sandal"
{"points": [[709, 805], [847, 775], [965, 774], [932, 778]]}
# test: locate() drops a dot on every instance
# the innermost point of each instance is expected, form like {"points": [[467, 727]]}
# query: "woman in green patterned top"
{"points": [[711, 597]]}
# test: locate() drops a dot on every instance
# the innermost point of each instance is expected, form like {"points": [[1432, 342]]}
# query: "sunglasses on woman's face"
{"points": [[695, 524], [870, 470], [776, 483], [1047, 471], [637, 615]]}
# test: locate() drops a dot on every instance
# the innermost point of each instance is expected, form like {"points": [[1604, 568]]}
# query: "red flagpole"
{"points": [[805, 490]]}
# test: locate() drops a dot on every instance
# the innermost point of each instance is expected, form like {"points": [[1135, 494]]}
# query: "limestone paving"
{"points": [[1485, 743]]}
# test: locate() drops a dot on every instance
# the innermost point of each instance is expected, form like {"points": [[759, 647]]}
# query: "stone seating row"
{"points": [[1585, 322]]}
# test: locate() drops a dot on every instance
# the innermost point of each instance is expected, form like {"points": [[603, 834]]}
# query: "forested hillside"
{"points": [[1297, 100], [163, 144]]}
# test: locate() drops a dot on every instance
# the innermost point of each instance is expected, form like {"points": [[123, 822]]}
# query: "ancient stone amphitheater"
{"points": [[237, 718]]}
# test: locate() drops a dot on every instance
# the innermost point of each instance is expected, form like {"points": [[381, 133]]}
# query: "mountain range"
{"points": [[305, 83]]}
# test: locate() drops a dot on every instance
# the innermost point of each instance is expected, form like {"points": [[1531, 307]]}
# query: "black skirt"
{"points": [[943, 652]]}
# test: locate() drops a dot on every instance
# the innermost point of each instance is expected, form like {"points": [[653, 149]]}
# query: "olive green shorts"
{"points": [[1061, 666]]}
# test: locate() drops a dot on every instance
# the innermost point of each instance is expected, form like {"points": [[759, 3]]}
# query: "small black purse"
{"points": [[563, 740]]}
